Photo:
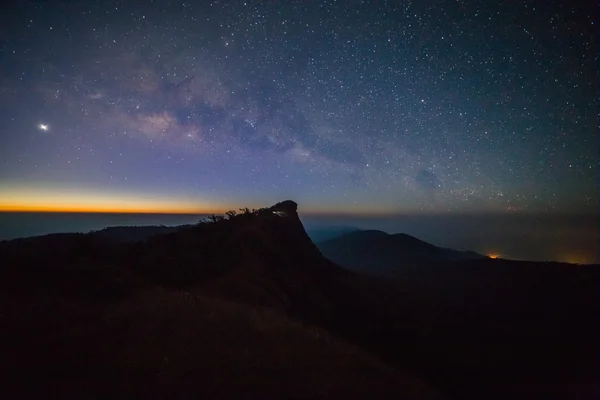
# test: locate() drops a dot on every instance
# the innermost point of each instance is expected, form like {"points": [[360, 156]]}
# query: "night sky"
{"points": [[343, 106]]}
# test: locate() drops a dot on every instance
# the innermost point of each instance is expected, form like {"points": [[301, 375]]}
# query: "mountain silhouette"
{"points": [[247, 306], [322, 234], [135, 233], [206, 310], [379, 253]]}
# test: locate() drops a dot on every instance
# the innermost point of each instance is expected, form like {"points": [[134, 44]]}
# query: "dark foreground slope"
{"points": [[205, 312], [248, 307]]}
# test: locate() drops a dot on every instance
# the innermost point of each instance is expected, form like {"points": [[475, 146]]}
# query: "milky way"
{"points": [[343, 106]]}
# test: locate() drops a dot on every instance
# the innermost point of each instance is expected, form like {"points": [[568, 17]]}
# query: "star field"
{"points": [[353, 106]]}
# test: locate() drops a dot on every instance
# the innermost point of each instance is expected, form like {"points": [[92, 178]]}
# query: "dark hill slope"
{"points": [[207, 311], [379, 253], [129, 234], [485, 329], [169, 344]]}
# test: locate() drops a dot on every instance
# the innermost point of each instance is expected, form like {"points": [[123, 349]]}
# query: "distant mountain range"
{"points": [[132, 234], [248, 306], [379, 253], [141, 233], [318, 235]]}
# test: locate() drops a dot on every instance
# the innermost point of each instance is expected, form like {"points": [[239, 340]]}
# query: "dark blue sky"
{"points": [[345, 106]]}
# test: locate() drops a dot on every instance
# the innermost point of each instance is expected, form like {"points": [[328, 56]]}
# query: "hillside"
{"points": [[205, 311], [379, 253], [135, 233], [248, 307]]}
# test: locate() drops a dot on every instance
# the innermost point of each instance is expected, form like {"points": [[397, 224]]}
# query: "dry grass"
{"points": [[170, 344]]}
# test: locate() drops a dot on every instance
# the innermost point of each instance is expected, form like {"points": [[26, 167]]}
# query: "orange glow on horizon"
{"points": [[494, 256], [576, 259], [88, 201], [47, 197], [108, 210]]}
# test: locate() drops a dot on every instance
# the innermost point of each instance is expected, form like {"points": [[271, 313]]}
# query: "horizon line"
{"points": [[316, 213]]}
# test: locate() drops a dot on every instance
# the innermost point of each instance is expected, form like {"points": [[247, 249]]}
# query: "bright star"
{"points": [[44, 127]]}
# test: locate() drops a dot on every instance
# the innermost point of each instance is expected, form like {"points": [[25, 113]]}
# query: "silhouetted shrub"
{"points": [[231, 214]]}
